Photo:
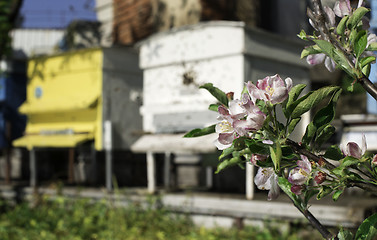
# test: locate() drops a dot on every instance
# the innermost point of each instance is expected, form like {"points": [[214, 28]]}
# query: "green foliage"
{"points": [[217, 93], [345, 235], [83, 219], [355, 19], [342, 25], [197, 132], [307, 102], [368, 229], [333, 152]]}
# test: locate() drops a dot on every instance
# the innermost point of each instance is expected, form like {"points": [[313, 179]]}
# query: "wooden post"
{"points": [[33, 168], [8, 164], [93, 169], [249, 181], [151, 172], [109, 160], [167, 164], [209, 177], [71, 161]]}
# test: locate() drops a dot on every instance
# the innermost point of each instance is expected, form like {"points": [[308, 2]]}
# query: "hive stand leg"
{"points": [[209, 177], [109, 170], [8, 165], [108, 142], [33, 168], [71, 160], [151, 172], [249, 181], [167, 165], [93, 170]]}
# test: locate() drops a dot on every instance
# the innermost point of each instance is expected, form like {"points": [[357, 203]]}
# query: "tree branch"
{"points": [[315, 223]]}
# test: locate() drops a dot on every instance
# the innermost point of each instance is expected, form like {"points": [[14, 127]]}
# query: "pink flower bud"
{"points": [[320, 177], [374, 160], [297, 189]]}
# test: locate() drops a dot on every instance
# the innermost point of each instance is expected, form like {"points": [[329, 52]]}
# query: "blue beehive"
{"points": [[12, 95]]}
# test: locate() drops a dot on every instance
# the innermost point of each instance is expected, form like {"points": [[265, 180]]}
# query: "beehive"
{"points": [[71, 95]]}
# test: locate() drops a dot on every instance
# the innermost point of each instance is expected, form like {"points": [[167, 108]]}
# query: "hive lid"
{"points": [[53, 140], [175, 143]]}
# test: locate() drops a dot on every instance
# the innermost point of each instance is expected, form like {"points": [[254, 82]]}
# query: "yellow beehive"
{"points": [[66, 95]]}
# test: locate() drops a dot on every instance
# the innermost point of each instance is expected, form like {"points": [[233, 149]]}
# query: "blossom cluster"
{"points": [[343, 36], [243, 116]]}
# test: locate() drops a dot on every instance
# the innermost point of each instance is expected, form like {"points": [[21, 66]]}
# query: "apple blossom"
{"points": [[352, 149], [299, 175], [270, 89], [266, 179]]}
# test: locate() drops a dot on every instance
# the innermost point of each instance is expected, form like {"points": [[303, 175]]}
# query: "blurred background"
{"points": [[97, 90]]}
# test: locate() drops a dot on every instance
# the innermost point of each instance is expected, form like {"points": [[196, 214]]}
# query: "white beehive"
{"points": [[177, 62], [227, 54]]}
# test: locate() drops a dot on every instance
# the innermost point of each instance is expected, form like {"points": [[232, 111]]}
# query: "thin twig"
{"points": [[301, 150], [315, 223]]}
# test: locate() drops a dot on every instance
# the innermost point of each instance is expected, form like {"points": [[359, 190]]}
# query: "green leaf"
{"points": [[285, 185], [360, 43], [229, 163], [366, 70], [342, 26], [309, 194], [327, 114], [368, 229], [345, 235], [214, 107], [292, 97], [288, 153], [239, 143], [312, 99], [337, 194], [325, 46], [348, 161], [226, 152], [342, 61], [336, 55], [257, 146], [311, 129], [197, 132], [333, 152], [372, 46], [276, 154], [323, 192], [217, 93], [302, 35], [324, 135], [367, 60], [314, 49], [356, 17], [292, 125]]}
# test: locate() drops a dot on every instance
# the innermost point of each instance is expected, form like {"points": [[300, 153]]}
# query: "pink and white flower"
{"points": [[342, 8], [319, 58], [239, 119], [352, 149], [266, 179], [299, 175], [270, 89]]}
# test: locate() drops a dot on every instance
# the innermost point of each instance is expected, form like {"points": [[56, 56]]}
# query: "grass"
{"points": [[62, 218]]}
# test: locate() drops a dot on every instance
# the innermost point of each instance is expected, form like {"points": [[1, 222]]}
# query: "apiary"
{"points": [[177, 62], [71, 95]]}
